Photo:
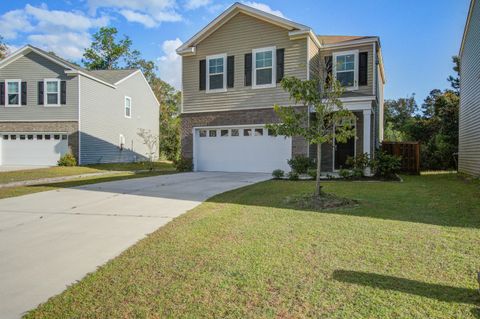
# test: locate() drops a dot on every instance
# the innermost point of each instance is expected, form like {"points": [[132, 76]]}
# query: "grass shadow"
{"points": [[413, 287]]}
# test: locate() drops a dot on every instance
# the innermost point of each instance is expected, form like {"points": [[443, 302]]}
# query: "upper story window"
{"points": [[52, 92], [128, 107], [13, 92], [216, 75], [346, 68], [264, 61]]}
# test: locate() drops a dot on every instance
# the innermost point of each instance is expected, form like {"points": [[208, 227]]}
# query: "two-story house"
{"points": [[469, 113], [49, 106], [231, 73]]}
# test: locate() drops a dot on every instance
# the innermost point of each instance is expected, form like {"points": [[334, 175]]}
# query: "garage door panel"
{"points": [[241, 153], [32, 148]]}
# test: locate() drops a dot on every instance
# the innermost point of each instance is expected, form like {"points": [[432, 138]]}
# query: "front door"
{"points": [[344, 151]]}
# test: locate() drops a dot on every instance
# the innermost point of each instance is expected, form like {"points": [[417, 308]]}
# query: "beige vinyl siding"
{"points": [[237, 37], [33, 68], [469, 121], [365, 89], [313, 59], [103, 120]]}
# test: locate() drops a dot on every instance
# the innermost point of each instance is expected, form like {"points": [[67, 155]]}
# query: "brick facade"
{"points": [[243, 117], [71, 128]]}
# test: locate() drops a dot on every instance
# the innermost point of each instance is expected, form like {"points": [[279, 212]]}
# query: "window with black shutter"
{"points": [[280, 64], [230, 71], [2, 93], [63, 92], [328, 68], [24, 93], [363, 68], [203, 75], [40, 93], [248, 69]]}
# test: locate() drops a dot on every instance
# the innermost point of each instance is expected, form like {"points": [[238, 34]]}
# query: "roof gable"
{"points": [[189, 46]]}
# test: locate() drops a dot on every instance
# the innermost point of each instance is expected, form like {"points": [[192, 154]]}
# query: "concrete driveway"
{"points": [[51, 239]]}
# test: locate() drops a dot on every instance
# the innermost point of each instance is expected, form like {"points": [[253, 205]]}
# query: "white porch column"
{"points": [[367, 127]]}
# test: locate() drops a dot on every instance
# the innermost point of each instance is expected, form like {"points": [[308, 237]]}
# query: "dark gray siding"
{"points": [[33, 68], [103, 120], [469, 122]]}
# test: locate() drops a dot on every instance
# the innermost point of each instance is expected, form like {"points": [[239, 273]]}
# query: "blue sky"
{"points": [[418, 37]]}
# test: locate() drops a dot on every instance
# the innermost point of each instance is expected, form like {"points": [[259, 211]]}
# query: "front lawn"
{"points": [[409, 250]]}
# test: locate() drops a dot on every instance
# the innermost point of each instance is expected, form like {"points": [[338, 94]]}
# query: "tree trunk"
{"points": [[318, 187]]}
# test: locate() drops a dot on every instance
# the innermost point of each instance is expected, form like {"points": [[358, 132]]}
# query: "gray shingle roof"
{"points": [[109, 76]]}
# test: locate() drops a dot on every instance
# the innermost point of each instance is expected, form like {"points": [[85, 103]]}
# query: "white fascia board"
{"points": [[230, 13]]}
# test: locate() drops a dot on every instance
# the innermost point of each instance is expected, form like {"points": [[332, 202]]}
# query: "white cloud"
{"points": [[170, 64], [12, 22], [64, 32], [195, 4], [133, 16], [69, 45], [264, 7], [150, 13]]}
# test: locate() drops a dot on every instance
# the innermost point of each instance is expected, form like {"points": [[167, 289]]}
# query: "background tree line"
{"points": [[434, 123], [108, 51]]}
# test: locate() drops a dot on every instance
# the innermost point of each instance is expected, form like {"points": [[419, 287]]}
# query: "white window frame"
{"points": [[355, 67], [19, 92], [274, 67], [125, 107], [212, 57], [45, 92]]}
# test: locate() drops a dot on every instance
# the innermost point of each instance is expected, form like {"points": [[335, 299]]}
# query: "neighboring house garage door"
{"points": [[32, 148], [240, 149]]}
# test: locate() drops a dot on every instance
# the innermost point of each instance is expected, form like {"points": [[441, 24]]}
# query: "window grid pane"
{"points": [[13, 88], [52, 87]]}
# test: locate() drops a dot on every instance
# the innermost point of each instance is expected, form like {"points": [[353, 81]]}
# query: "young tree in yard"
{"points": [[332, 120], [151, 143]]}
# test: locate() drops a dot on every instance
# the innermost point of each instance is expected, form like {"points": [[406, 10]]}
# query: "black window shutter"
{"points": [[363, 68], [203, 75], [280, 64], [24, 93], [328, 68], [230, 71], [40, 93], [2, 93], [63, 92], [248, 69]]}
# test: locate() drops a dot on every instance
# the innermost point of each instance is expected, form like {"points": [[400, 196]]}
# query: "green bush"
{"points": [[300, 164], [360, 162], [67, 160], [386, 165], [183, 164], [345, 173], [312, 172], [278, 174], [293, 176]]}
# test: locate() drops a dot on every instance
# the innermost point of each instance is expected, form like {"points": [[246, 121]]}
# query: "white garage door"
{"points": [[240, 149], [32, 148]]}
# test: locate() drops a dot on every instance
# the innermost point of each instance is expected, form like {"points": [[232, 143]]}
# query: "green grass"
{"points": [[409, 250], [130, 170]]}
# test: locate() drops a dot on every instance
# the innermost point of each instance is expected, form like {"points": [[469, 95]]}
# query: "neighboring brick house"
{"points": [[469, 116], [231, 72], [49, 106]]}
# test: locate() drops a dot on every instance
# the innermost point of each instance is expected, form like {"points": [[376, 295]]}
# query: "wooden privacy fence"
{"points": [[408, 151]]}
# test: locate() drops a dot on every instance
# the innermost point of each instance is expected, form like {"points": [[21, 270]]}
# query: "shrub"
{"points": [[183, 164], [300, 164], [293, 176], [312, 172], [345, 173], [386, 166], [67, 160], [360, 162], [278, 173]]}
